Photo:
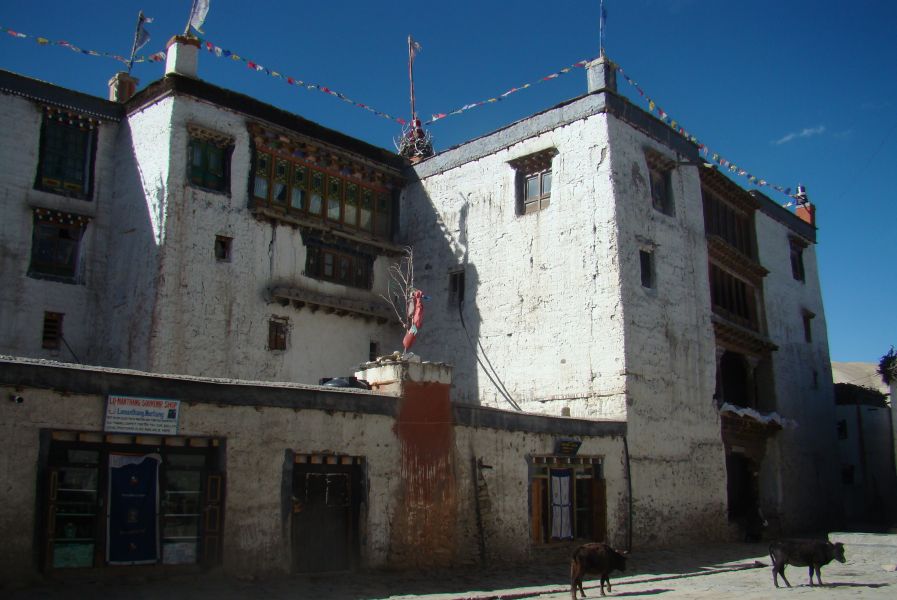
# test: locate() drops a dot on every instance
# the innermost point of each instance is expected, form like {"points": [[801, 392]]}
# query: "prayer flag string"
{"points": [[42, 41], [702, 148], [466, 107]]}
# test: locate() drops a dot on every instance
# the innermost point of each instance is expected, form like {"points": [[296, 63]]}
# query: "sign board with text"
{"points": [[131, 414]]}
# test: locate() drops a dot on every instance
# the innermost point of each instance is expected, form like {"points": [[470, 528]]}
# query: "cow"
{"points": [[597, 559], [803, 553]]}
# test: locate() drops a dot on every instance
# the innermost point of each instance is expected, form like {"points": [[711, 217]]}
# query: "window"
{"points": [[808, 325], [456, 288], [797, 259], [842, 429], [56, 245], [646, 261], [297, 187], [734, 298], [222, 248], [277, 333], [209, 159], [533, 186], [52, 332], [338, 266], [567, 499], [660, 170], [724, 220], [373, 351], [67, 152]]}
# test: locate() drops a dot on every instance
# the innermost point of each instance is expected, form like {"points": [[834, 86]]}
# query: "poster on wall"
{"points": [[132, 414], [132, 517]]}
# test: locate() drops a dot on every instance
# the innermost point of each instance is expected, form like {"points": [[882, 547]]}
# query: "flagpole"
{"points": [[601, 26], [411, 76], [140, 19], [187, 28]]}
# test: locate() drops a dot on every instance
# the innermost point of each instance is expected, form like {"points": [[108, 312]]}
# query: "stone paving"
{"points": [[713, 571]]}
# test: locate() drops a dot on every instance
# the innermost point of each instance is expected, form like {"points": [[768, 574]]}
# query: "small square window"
{"points": [[222, 248], [278, 328], [52, 331], [646, 262]]}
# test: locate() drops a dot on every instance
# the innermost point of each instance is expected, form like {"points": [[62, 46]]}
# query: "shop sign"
{"points": [[130, 414]]}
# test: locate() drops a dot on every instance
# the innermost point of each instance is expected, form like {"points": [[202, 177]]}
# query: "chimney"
{"points": [[805, 210], [122, 86], [602, 75], [181, 55]]}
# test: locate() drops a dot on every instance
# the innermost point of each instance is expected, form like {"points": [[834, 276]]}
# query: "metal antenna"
{"points": [[602, 26]]}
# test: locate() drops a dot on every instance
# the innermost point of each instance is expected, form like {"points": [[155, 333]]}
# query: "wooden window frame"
{"points": [[278, 332], [588, 504], [733, 298], [67, 154], [533, 167], [363, 207], [359, 272], [201, 175]]}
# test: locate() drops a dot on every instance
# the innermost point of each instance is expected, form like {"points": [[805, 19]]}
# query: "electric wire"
{"points": [[502, 390]]}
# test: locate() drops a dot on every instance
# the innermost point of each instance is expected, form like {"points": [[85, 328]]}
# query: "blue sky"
{"points": [[793, 91]]}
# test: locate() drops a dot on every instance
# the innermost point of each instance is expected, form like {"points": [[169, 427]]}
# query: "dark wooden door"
{"points": [[325, 517]]}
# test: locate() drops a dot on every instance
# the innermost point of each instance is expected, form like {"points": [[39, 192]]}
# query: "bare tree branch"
{"points": [[401, 286]]}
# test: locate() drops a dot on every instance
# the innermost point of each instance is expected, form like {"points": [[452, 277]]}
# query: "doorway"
{"points": [[326, 500]]}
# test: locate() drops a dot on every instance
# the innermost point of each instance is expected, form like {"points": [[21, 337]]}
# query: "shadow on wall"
{"points": [[130, 280]]}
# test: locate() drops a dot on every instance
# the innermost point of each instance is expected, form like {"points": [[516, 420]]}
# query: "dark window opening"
{"points": [[808, 326], [456, 288], [735, 381], [277, 333], [222, 248], [56, 245], [373, 351], [209, 162], [733, 226], [646, 262], [339, 267], [797, 260], [733, 298], [67, 150], [51, 337], [660, 171]]}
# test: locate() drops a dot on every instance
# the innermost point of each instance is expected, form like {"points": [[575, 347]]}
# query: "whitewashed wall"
{"points": [[542, 294], [23, 300], [555, 299], [801, 477], [678, 462]]}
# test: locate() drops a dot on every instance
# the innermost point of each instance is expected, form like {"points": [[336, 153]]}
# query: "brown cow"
{"points": [[597, 559]]}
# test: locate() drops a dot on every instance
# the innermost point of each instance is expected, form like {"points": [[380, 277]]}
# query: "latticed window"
{"points": [[209, 159], [66, 154], [733, 297], [302, 189], [56, 244], [731, 224], [533, 187]]}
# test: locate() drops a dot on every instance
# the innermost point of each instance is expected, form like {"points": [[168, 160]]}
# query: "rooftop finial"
{"points": [[415, 143]]}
